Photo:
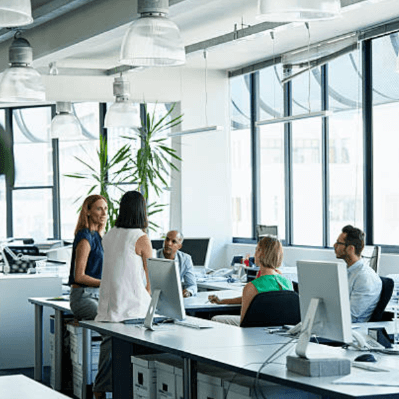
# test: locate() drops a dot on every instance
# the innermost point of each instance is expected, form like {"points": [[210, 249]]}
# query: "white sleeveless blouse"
{"points": [[122, 290]]}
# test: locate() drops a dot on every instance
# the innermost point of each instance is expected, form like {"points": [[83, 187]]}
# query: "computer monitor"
{"points": [[263, 230], [325, 307], [167, 296], [371, 256], [198, 248]]}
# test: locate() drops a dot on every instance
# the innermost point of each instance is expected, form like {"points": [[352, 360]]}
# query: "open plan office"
{"points": [[238, 122]]}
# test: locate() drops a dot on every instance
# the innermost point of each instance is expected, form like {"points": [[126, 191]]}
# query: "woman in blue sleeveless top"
{"points": [[85, 275]]}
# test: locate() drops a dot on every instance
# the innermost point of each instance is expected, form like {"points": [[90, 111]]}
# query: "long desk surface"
{"points": [[20, 386], [241, 350], [194, 305]]}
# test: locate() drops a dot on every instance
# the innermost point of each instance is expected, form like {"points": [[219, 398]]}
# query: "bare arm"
{"points": [[144, 249], [248, 295], [227, 301], [82, 255]]}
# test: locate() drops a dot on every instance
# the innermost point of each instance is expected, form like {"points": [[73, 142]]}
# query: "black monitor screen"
{"points": [[196, 247]]}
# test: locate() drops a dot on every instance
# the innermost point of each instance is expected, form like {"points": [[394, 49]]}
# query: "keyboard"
{"points": [[193, 324], [140, 320]]}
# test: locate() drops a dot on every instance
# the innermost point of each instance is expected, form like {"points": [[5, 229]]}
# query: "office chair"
{"points": [[379, 313], [273, 308]]}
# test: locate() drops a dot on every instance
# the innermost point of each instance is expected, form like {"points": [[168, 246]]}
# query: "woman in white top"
{"points": [[125, 287]]}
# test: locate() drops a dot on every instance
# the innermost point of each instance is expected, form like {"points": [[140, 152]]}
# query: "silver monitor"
{"points": [[167, 296], [327, 282], [325, 312]]}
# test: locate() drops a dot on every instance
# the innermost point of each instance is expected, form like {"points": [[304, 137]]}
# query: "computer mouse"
{"points": [[367, 357]]}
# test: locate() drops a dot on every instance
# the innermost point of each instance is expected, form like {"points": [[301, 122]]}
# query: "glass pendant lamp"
{"points": [[20, 82], [65, 126], [152, 39], [15, 13], [122, 113], [297, 10]]}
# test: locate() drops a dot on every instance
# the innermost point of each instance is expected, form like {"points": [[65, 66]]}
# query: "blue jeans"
{"points": [[84, 302]]}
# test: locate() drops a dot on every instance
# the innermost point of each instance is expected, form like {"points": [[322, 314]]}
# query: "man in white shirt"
{"points": [[173, 242], [364, 284]]}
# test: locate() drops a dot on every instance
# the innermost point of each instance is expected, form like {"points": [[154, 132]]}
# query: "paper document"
{"points": [[361, 377]]}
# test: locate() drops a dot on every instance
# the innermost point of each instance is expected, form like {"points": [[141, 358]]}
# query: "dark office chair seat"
{"points": [[273, 308], [386, 293]]}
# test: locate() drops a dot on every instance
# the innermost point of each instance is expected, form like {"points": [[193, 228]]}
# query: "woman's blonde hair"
{"points": [[83, 219], [271, 252]]}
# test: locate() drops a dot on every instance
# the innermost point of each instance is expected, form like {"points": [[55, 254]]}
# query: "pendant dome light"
{"points": [[153, 39], [15, 13], [122, 113], [20, 82], [65, 126], [297, 10]]}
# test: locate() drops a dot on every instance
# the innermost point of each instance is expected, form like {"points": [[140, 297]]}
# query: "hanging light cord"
{"points": [[206, 85], [274, 75], [307, 27]]}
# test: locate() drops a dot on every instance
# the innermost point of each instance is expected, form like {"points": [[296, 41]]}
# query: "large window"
{"points": [[74, 191], [345, 144], [312, 170], [386, 140], [32, 193], [241, 157], [44, 202]]}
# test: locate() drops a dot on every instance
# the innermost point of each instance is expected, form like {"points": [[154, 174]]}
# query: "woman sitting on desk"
{"points": [[86, 271], [268, 256]]}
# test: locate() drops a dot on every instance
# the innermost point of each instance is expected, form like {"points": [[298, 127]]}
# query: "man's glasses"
{"points": [[340, 243]]}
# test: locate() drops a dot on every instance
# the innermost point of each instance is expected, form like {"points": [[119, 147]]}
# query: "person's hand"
{"points": [[186, 294], [214, 299]]}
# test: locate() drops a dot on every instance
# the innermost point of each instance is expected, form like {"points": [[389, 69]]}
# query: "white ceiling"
{"points": [[89, 33]]}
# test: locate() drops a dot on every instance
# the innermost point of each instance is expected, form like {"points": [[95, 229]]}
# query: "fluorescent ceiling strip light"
{"points": [[204, 129], [294, 118]]}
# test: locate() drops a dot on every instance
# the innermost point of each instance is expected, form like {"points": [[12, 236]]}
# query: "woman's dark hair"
{"points": [[132, 211], [355, 237]]}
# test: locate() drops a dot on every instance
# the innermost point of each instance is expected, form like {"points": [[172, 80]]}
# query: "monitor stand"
{"points": [[311, 366], [151, 310]]}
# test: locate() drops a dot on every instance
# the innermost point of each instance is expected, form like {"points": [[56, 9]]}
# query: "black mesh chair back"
{"points": [[273, 308], [386, 293]]}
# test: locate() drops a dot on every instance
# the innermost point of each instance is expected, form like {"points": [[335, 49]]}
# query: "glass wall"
{"points": [[312, 170], [241, 158], [32, 193], [72, 156], [272, 174], [386, 140], [345, 144]]}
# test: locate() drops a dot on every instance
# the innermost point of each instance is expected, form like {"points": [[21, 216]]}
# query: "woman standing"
{"points": [[125, 289], [85, 276]]}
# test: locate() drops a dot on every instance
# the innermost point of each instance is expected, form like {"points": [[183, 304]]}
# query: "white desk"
{"points": [[20, 386], [60, 308], [193, 305], [241, 350]]}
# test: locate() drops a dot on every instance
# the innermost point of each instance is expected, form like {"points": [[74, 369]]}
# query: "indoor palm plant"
{"points": [[146, 168]]}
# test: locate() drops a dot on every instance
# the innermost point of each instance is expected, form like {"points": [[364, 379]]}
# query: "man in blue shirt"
{"points": [[173, 242], [364, 284]]}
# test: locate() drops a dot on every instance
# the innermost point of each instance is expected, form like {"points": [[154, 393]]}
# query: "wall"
{"points": [[205, 177]]}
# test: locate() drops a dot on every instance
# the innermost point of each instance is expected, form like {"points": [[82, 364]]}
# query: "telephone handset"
{"points": [[365, 342], [224, 272]]}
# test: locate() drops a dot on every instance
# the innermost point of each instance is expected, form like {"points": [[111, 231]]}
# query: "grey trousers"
{"points": [[84, 302]]}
